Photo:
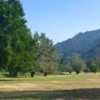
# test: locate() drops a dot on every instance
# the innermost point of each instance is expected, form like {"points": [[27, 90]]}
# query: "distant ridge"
{"points": [[85, 44]]}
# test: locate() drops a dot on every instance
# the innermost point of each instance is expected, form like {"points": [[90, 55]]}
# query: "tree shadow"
{"points": [[78, 94], [6, 79]]}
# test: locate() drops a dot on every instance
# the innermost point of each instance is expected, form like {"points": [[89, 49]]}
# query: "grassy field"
{"points": [[52, 87]]}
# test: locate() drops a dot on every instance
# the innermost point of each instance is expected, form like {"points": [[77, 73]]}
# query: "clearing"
{"points": [[52, 87]]}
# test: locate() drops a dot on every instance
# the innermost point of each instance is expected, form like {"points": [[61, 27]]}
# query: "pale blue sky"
{"points": [[62, 19]]}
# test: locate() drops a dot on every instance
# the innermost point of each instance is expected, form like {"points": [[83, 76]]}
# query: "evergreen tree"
{"points": [[17, 48]]}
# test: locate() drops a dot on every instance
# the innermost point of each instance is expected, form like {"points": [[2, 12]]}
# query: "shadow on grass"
{"points": [[79, 94], [3, 80]]}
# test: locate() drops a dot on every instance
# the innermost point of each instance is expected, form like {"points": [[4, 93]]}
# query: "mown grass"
{"points": [[52, 87], [50, 78]]}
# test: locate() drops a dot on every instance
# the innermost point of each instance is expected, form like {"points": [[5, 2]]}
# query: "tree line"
{"points": [[78, 65], [22, 53]]}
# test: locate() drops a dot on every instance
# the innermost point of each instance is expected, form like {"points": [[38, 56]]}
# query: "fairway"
{"points": [[52, 87]]}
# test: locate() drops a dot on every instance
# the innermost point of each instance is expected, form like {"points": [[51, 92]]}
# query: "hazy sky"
{"points": [[62, 19]]}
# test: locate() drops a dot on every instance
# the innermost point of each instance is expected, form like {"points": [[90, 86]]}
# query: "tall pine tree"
{"points": [[17, 51]]}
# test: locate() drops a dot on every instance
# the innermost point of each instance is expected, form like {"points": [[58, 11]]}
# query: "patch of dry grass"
{"points": [[75, 87]]}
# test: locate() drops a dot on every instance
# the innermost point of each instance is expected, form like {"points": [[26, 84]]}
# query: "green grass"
{"points": [[52, 87], [50, 78]]}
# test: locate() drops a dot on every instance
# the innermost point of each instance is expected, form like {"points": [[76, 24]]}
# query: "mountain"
{"points": [[93, 52], [86, 44]]}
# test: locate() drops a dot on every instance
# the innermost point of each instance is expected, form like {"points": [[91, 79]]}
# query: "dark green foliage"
{"points": [[95, 68], [17, 51], [94, 65]]}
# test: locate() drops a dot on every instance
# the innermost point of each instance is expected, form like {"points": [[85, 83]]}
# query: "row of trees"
{"points": [[19, 51], [77, 64]]}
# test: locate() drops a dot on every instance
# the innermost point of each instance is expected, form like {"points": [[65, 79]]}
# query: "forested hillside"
{"points": [[93, 52], [84, 44]]}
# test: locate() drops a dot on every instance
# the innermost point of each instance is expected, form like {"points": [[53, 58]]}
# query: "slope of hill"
{"points": [[81, 44], [93, 52]]}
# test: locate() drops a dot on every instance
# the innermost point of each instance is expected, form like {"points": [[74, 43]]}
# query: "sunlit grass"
{"points": [[52, 87]]}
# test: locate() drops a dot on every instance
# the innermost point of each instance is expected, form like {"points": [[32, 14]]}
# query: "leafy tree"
{"points": [[66, 67], [48, 58], [94, 65], [77, 64], [94, 68]]}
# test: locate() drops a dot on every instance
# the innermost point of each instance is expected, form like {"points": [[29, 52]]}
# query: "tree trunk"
{"points": [[32, 74], [45, 74]]}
